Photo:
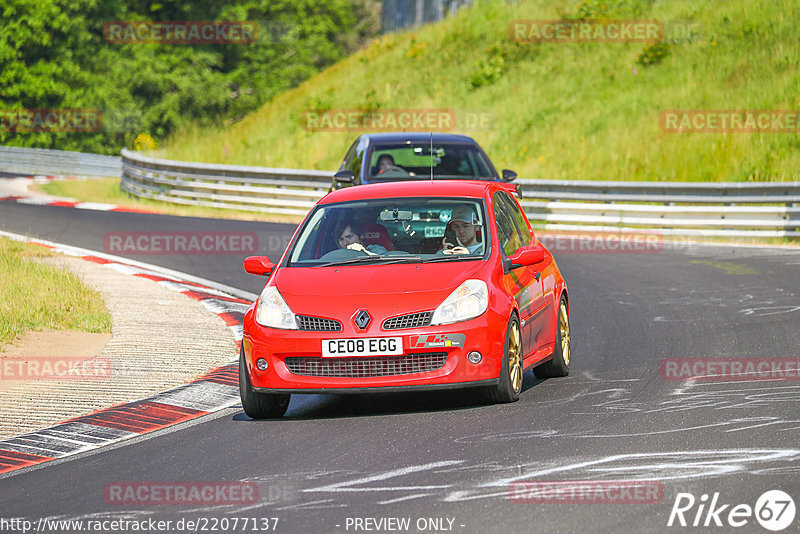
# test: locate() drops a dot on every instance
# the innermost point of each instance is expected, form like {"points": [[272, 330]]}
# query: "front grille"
{"points": [[413, 320], [317, 324], [408, 364]]}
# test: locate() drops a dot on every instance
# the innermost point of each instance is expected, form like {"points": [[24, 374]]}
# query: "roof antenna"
{"points": [[431, 156]]}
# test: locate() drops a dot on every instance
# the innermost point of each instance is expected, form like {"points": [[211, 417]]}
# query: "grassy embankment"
{"points": [[34, 296], [573, 111], [558, 110]]}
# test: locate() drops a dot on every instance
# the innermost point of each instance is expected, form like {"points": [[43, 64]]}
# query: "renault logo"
{"points": [[362, 319]]}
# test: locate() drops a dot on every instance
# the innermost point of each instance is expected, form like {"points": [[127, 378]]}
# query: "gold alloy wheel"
{"points": [[515, 358], [564, 331]]}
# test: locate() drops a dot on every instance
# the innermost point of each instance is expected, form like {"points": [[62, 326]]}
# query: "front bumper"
{"points": [[485, 334], [389, 389]]}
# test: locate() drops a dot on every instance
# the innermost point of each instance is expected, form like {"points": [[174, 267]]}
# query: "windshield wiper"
{"points": [[385, 260], [448, 257]]}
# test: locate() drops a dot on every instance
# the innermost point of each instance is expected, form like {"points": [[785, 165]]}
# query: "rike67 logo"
{"points": [[774, 510]]}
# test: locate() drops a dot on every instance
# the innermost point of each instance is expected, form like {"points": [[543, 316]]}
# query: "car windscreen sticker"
{"points": [[434, 231]]}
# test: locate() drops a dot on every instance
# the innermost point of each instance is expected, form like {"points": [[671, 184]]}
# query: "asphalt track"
{"points": [[334, 459]]}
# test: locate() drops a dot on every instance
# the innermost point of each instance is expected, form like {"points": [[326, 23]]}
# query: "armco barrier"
{"points": [[673, 208], [38, 161], [281, 191], [732, 209], [726, 209]]}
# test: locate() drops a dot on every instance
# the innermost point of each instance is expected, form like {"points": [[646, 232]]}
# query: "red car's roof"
{"points": [[416, 188]]}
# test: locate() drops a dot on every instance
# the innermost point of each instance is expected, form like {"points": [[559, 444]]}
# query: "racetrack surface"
{"points": [[450, 455]]}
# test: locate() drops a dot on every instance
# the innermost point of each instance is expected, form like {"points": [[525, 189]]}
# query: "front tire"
{"points": [[511, 367], [562, 353], [259, 405]]}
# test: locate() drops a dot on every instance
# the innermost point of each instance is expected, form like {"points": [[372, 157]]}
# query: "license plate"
{"points": [[363, 346]]}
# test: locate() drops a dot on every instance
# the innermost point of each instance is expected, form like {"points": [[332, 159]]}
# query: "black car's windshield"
{"points": [[413, 161], [391, 231]]}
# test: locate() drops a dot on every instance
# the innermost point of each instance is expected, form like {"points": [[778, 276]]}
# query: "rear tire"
{"points": [[259, 405], [511, 367], [562, 354]]}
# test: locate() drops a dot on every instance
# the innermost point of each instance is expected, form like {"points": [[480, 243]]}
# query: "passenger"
{"points": [[465, 223], [348, 235]]}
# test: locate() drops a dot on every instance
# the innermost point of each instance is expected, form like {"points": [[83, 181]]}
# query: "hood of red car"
{"points": [[384, 290]]}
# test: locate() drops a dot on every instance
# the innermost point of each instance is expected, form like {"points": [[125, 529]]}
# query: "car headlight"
{"points": [[272, 310], [469, 300]]}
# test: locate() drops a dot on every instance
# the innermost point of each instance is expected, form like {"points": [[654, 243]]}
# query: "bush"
{"points": [[53, 55]]}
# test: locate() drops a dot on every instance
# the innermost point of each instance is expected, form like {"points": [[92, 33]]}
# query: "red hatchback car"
{"points": [[401, 287]]}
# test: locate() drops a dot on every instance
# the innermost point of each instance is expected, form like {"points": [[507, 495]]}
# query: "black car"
{"points": [[392, 157]]}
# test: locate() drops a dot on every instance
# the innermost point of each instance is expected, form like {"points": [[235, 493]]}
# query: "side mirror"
{"points": [[527, 256], [509, 176], [258, 265], [344, 178]]}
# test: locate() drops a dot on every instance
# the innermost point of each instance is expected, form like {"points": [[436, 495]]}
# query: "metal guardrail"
{"points": [[281, 191], [39, 161], [731, 209], [721, 209]]}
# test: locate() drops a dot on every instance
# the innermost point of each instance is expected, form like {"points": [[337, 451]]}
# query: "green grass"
{"points": [[34, 296], [560, 111], [107, 190]]}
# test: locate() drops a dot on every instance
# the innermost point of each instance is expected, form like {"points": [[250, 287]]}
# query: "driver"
{"points": [[348, 235], [464, 221], [386, 165]]}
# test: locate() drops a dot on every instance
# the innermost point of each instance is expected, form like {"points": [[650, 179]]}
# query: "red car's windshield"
{"points": [[392, 230]]}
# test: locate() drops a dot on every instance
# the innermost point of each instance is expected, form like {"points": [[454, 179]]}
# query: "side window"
{"points": [[349, 157], [519, 218], [308, 244], [355, 163], [506, 229]]}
